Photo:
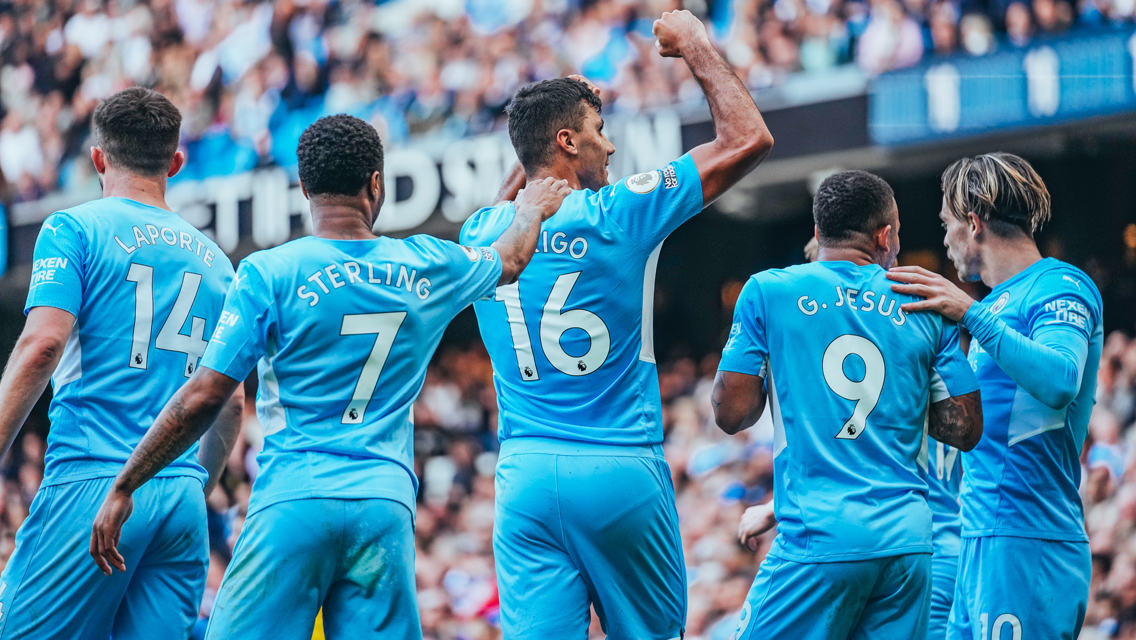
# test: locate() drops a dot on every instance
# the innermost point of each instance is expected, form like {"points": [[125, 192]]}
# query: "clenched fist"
{"points": [[677, 30]]}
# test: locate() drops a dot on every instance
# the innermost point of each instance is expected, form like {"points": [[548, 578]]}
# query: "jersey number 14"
{"points": [[170, 338]]}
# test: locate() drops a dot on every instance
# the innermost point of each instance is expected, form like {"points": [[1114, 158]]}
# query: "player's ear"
{"points": [[304, 190], [974, 224], [377, 189], [98, 158], [176, 164], [566, 140], [883, 239]]}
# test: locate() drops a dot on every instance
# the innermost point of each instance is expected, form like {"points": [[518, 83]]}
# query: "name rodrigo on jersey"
{"points": [[352, 273], [846, 298]]}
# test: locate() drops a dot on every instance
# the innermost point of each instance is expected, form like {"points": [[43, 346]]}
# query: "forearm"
{"points": [[218, 441], [28, 371], [182, 422], [737, 400], [517, 244], [1049, 369]]}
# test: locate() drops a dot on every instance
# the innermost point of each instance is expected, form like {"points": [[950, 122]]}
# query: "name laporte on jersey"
{"points": [[180, 239]]}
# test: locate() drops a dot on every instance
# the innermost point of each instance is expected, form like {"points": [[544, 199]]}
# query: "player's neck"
{"points": [[148, 191], [340, 222], [1004, 258], [856, 256], [559, 171]]}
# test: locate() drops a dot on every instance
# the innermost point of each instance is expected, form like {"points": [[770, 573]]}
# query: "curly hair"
{"points": [[138, 130], [1002, 189], [338, 154], [849, 203], [541, 109]]}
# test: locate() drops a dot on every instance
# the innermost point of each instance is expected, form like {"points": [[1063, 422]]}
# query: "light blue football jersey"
{"points": [[944, 475], [850, 377], [341, 332], [146, 289], [572, 341], [1023, 477]]}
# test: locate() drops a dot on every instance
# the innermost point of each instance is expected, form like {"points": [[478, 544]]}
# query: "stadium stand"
{"points": [[250, 76]]}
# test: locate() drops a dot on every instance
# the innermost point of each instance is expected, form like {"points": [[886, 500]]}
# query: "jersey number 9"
{"points": [[865, 392]]}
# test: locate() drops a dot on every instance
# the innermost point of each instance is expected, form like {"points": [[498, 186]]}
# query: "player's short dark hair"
{"points": [[1002, 189], [541, 109], [138, 130], [338, 154], [851, 203]]}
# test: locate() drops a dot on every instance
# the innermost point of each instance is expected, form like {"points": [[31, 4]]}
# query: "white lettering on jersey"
{"points": [[334, 275], [846, 299], [179, 239]]}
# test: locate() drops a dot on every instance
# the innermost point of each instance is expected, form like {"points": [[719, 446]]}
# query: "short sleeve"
{"points": [[57, 267], [1063, 301], [474, 273], [649, 206], [747, 350], [241, 336], [486, 225], [951, 375]]}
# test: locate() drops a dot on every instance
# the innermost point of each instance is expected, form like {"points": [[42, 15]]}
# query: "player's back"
{"points": [[1023, 477], [347, 328], [572, 340], [850, 376], [146, 289]]}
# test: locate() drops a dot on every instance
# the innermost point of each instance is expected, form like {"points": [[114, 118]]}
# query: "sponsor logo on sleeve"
{"points": [[670, 178], [488, 255], [473, 254], [643, 183]]}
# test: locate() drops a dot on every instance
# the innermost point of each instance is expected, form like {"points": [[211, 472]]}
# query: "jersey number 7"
{"points": [[385, 327], [554, 322]]}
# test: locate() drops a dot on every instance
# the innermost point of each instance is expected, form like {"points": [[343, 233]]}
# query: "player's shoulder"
{"points": [[487, 224], [1055, 277]]}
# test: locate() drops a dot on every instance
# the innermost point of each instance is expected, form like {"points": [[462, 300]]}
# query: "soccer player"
{"points": [[122, 299], [340, 327], [854, 383], [1036, 345], [585, 507], [944, 469]]}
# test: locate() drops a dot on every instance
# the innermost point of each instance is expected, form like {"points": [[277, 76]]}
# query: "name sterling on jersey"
{"points": [[383, 274], [846, 298], [174, 239]]}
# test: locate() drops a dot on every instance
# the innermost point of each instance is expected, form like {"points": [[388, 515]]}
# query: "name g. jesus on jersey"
{"points": [[855, 300]]}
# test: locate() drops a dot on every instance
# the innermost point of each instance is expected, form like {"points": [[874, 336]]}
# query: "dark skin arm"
{"points": [[219, 440], [957, 421], [181, 423], [535, 204], [742, 140], [514, 182], [738, 400]]}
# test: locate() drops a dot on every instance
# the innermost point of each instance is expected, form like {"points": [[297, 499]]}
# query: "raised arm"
{"points": [[957, 421], [738, 400], [181, 423], [741, 140], [535, 204], [29, 368]]}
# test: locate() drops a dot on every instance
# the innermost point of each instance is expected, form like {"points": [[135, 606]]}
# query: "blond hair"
{"points": [[1002, 189]]}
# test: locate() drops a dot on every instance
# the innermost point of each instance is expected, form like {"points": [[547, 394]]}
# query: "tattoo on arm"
{"points": [[957, 421]]}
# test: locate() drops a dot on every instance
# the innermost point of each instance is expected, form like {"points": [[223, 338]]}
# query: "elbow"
{"points": [[729, 423], [1060, 398], [970, 440], [511, 268], [43, 351]]}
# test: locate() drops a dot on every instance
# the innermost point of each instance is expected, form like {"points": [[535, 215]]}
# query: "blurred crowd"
{"points": [[250, 76]]}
